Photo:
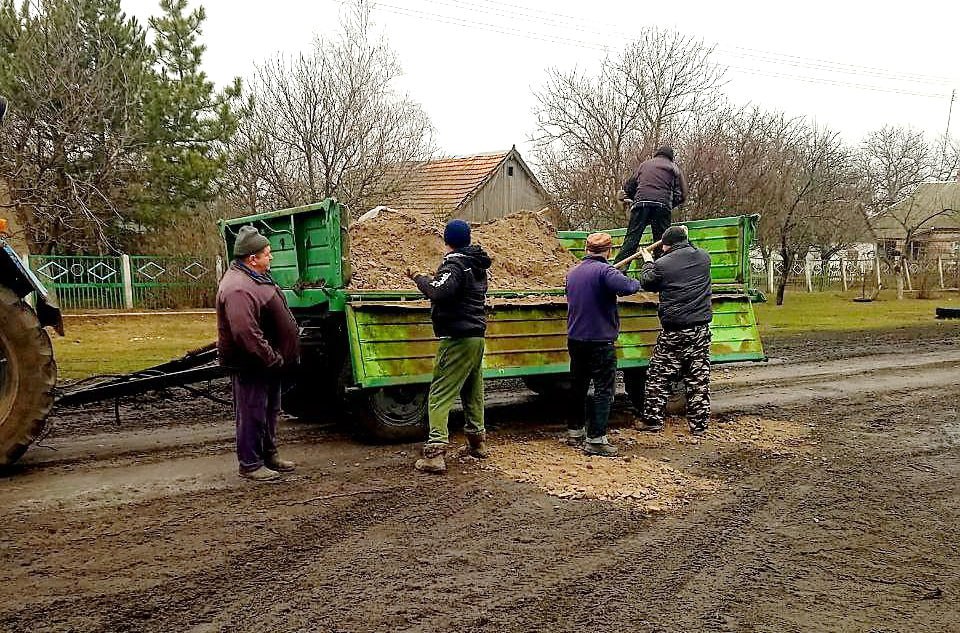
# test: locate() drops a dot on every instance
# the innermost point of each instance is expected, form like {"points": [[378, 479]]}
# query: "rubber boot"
{"points": [[477, 445], [432, 461], [698, 431]]}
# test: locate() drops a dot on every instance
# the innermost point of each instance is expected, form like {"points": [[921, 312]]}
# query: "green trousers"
{"points": [[456, 371]]}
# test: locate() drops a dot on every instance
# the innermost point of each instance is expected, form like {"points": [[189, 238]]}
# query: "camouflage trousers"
{"points": [[684, 353]]}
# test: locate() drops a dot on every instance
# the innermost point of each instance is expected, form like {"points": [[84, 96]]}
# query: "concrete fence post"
{"points": [[126, 273], [770, 270], [876, 267], [940, 270], [843, 271], [808, 272], [219, 268]]}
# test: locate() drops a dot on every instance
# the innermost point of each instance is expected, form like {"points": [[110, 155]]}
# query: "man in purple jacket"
{"points": [[593, 325]]}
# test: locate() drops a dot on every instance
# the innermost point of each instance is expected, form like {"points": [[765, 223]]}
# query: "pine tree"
{"points": [[187, 122]]}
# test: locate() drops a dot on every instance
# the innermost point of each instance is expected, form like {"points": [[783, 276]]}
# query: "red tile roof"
{"points": [[444, 184]]}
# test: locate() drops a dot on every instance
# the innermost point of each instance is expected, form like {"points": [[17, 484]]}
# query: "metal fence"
{"points": [[129, 281], [865, 272]]}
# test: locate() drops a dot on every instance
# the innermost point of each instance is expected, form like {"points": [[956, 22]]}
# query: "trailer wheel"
{"points": [[553, 386], [394, 414], [635, 382], [28, 376]]}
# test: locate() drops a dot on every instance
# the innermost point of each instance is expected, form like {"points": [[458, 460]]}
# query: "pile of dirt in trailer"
{"points": [[524, 248]]}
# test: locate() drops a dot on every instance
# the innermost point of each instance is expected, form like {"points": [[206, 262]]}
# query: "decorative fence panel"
{"points": [[129, 281], [861, 273], [173, 282], [82, 282]]}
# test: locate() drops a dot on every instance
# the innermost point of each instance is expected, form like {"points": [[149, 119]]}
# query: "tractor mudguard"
{"points": [[21, 280]]}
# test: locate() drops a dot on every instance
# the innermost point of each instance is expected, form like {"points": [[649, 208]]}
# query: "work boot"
{"points": [[261, 474], [477, 445], [600, 446], [649, 427], [432, 461], [280, 465], [575, 437]]}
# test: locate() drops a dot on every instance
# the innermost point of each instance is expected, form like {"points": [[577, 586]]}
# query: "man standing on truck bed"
{"points": [[257, 338], [682, 277], [457, 293], [593, 325], [655, 189]]}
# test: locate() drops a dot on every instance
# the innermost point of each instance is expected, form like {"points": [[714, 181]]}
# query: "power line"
{"points": [[556, 39], [737, 52]]}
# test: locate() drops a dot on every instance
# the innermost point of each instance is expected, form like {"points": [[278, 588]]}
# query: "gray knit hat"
{"points": [[249, 241]]}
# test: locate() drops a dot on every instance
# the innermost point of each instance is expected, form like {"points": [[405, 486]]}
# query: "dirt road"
{"points": [[825, 498]]}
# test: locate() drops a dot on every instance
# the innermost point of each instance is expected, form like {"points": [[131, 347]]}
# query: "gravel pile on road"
{"points": [[565, 472], [650, 480], [524, 248]]}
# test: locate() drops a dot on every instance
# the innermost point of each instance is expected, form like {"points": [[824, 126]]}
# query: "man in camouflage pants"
{"points": [[682, 277]]}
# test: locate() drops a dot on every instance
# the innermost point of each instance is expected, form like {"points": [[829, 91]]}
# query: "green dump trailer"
{"points": [[368, 355]]}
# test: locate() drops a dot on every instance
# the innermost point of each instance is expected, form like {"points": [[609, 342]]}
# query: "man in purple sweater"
{"points": [[593, 325]]}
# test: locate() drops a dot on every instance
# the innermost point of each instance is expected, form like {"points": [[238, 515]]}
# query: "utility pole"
{"points": [[946, 136]]}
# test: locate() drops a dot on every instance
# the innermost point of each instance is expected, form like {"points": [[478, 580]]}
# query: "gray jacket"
{"points": [[682, 277]]}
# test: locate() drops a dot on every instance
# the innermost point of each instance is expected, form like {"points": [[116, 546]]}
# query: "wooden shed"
{"points": [[474, 188]]}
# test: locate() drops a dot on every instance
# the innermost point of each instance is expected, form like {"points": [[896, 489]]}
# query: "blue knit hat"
{"points": [[457, 233]]}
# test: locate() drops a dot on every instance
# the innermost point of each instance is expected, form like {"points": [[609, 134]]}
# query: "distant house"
{"points": [[475, 188], [931, 215]]}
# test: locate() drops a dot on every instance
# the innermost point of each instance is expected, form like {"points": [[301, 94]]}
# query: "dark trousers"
{"points": [[596, 362], [256, 403], [643, 214]]}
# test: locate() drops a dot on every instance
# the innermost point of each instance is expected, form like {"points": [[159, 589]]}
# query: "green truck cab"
{"points": [[368, 355]]}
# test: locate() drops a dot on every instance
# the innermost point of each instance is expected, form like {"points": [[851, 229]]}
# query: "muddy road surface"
{"points": [[824, 498]]}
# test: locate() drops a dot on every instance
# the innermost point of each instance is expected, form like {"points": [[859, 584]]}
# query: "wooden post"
{"points": [[771, 288], [126, 273], [940, 269], [808, 271], [843, 271]]}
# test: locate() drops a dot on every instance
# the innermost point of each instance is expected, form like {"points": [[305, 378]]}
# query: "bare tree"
{"points": [[593, 129], [329, 124]]}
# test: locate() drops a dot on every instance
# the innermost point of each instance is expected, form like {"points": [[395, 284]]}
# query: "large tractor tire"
{"points": [[28, 376]]}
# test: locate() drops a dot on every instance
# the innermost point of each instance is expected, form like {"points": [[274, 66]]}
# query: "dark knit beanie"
{"points": [[457, 233], [665, 151], [249, 241], [676, 234]]}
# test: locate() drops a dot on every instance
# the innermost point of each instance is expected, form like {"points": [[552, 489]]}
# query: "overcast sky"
{"points": [[473, 63]]}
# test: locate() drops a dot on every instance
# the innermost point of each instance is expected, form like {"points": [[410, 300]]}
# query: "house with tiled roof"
{"points": [[474, 188]]}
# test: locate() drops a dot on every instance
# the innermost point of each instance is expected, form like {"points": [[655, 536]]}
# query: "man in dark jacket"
{"points": [[682, 277], [457, 294], [593, 325], [655, 189], [257, 339]]}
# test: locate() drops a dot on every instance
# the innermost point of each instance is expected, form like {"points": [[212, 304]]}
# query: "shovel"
{"points": [[623, 263]]}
